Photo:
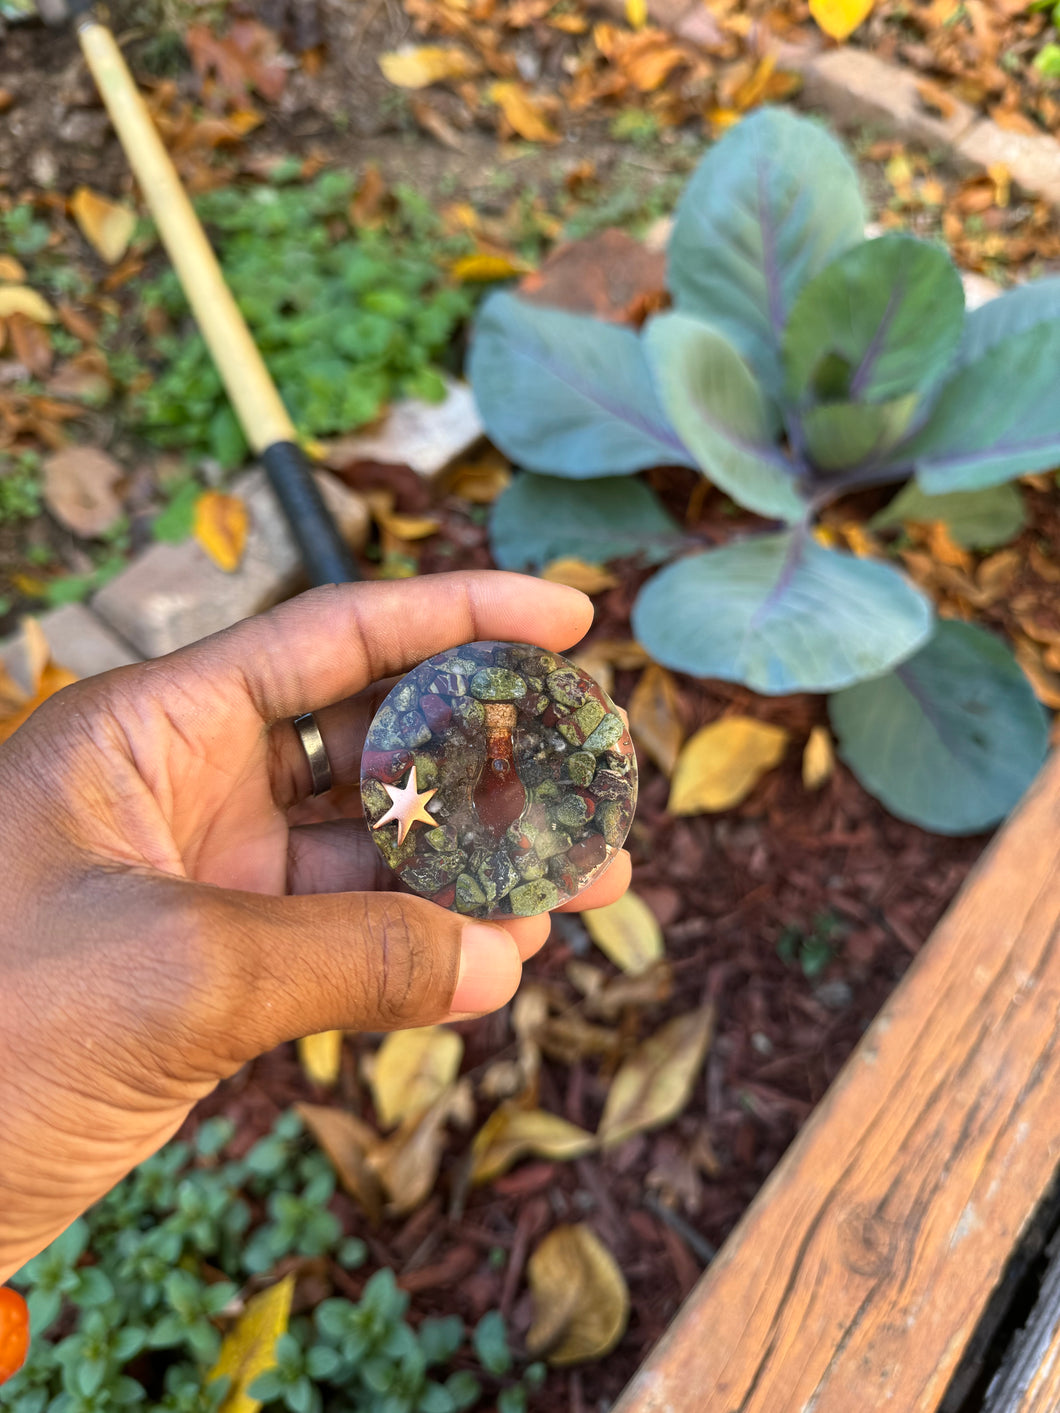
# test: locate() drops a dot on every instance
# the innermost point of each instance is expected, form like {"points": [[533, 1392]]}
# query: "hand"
{"points": [[163, 916]]}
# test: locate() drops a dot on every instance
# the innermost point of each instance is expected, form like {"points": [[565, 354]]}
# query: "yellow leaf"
{"points": [[418, 66], [840, 18], [723, 762], [627, 932], [20, 299], [53, 679], [348, 1142], [859, 540], [637, 13], [249, 1348], [590, 578], [320, 1056], [106, 225], [826, 535], [581, 1303], [409, 527], [655, 1083], [818, 759], [412, 1069], [480, 482], [522, 113], [655, 716], [483, 268], [512, 1132], [221, 524], [11, 269]]}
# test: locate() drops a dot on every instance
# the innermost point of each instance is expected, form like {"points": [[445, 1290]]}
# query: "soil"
{"points": [[796, 913]]}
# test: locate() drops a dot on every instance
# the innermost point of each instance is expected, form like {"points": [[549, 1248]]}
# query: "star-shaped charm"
{"points": [[409, 806]]}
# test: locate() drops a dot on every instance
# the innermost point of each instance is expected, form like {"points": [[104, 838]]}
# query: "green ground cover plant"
{"points": [[800, 363], [128, 1306], [346, 318]]}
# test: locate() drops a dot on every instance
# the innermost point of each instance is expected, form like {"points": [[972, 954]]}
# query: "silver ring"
{"points": [[315, 751]]}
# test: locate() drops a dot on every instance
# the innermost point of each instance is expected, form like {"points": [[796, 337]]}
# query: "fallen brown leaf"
{"points": [[513, 1132], [20, 299], [581, 1303], [79, 489], [107, 225], [522, 112], [655, 716], [576, 574], [655, 1083], [31, 344], [347, 1141]]}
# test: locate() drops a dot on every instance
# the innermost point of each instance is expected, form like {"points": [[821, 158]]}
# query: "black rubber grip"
{"points": [[324, 552]]}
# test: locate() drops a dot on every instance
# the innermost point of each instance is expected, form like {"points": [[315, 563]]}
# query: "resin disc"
{"points": [[498, 779]]}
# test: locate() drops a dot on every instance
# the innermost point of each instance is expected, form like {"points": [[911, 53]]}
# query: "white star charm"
{"points": [[409, 806]]}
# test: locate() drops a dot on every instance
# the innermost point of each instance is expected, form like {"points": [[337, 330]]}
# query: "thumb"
{"points": [[347, 961]]}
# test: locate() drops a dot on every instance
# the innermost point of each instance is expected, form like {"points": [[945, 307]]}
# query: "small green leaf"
{"points": [[975, 519], [781, 614], [951, 738], [537, 519], [722, 415], [567, 395], [891, 309], [842, 435], [490, 1341], [771, 205]]}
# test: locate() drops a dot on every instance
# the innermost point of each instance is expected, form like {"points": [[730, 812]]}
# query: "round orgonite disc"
{"points": [[498, 779]]}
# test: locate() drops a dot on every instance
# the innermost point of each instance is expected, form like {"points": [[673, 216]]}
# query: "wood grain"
{"points": [[857, 1277]]}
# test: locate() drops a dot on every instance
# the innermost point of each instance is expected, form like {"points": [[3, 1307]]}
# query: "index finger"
{"points": [[331, 642]]}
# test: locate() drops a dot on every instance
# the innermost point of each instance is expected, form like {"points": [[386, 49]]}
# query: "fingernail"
{"points": [[489, 970]]}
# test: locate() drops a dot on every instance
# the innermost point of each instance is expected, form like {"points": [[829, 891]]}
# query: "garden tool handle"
{"points": [[262, 415]]}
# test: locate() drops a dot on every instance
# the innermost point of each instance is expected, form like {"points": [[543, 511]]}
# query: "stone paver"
{"points": [[174, 594], [1034, 162], [856, 87], [427, 436], [81, 642]]}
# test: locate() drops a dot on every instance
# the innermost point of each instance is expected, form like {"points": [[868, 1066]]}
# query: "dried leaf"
{"points": [[628, 932], [249, 1348], [637, 13], [247, 56], [513, 1132], [409, 527], [655, 1083], [83, 378], [23, 663], [347, 1141], [20, 299], [53, 679], [522, 114], [221, 524], [484, 268], [652, 66], [581, 1303], [1046, 684], [77, 323], [840, 18], [576, 574], [107, 225], [369, 204], [480, 482], [407, 1163], [31, 343], [79, 484], [11, 269], [418, 66], [436, 124], [412, 1069], [655, 716], [934, 97], [818, 759], [321, 1056], [723, 762]]}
